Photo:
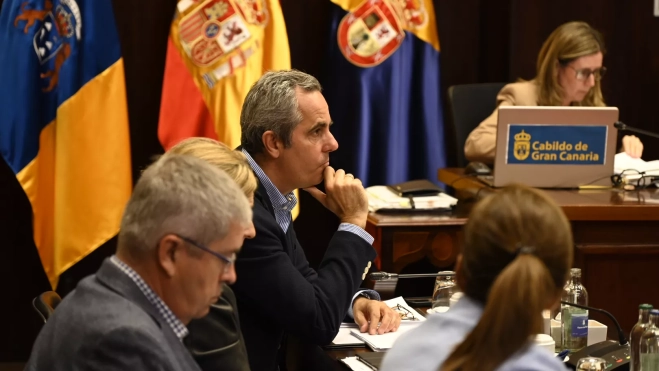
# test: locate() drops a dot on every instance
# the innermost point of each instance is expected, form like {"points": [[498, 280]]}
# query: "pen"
{"points": [[563, 354], [594, 187]]}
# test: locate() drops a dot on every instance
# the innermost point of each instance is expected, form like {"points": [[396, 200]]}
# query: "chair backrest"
{"points": [[45, 304], [470, 105]]}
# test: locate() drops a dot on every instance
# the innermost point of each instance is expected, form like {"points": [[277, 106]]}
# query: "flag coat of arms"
{"points": [[217, 50], [382, 83], [64, 123]]}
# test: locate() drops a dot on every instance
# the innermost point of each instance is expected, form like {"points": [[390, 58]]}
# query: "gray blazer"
{"points": [[106, 323]]}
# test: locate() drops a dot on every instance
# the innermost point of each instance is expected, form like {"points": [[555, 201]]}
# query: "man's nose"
{"points": [[331, 145], [230, 276], [250, 232]]}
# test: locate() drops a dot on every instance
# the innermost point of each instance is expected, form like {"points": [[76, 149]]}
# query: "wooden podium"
{"points": [[616, 234]]}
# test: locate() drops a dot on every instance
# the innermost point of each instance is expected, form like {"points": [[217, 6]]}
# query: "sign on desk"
{"points": [[556, 144]]}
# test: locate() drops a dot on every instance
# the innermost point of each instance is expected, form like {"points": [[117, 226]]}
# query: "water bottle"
{"points": [[635, 336], [649, 344], [574, 321]]}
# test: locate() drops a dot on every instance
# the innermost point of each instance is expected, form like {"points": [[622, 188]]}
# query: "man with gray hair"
{"points": [[286, 137], [180, 233]]}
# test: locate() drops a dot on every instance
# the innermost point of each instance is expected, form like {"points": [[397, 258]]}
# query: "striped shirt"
{"points": [[177, 326]]}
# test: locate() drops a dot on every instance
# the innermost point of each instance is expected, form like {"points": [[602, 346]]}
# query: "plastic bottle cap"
{"points": [[654, 311], [645, 306]]}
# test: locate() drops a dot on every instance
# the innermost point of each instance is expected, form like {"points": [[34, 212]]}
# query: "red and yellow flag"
{"points": [[217, 50]]}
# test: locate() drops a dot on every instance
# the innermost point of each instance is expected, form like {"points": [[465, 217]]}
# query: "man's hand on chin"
{"points": [[374, 316]]}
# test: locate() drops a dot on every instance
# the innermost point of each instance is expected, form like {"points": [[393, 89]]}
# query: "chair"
{"points": [[470, 105], [45, 304]]}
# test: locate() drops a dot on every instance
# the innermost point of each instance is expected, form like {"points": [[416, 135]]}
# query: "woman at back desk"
{"points": [[569, 70]]}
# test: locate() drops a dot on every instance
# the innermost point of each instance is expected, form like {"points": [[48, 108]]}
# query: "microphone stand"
{"points": [[384, 276], [623, 127], [621, 334]]}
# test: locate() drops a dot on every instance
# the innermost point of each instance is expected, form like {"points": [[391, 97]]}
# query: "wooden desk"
{"points": [[616, 234], [404, 238], [401, 239]]}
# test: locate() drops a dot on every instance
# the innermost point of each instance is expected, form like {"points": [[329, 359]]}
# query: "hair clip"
{"points": [[521, 249]]}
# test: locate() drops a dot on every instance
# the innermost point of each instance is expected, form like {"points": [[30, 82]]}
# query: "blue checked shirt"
{"points": [[284, 204], [177, 326]]}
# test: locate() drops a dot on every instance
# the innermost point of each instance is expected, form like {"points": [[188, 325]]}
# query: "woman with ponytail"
{"points": [[514, 263]]}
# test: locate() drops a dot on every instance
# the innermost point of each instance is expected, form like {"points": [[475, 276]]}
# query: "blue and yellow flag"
{"points": [[382, 84], [64, 122]]}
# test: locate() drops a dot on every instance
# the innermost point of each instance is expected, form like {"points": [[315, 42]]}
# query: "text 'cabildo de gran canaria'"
{"points": [[552, 150]]}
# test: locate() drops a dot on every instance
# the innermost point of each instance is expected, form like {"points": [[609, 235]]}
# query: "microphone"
{"points": [[623, 127], [615, 353], [621, 334], [384, 276]]}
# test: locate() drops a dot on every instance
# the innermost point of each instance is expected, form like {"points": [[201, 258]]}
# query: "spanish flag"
{"points": [[381, 80], [217, 50], [64, 123]]}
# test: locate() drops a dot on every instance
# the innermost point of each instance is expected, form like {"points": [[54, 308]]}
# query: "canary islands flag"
{"points": [[64, 122], [382, 84]]}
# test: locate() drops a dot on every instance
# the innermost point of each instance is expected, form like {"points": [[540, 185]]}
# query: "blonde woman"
{"points": [[216, 341], [569, 70]]}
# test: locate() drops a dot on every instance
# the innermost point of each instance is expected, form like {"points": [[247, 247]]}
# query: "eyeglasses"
{"points": [[584, 73], [638, 179], [404, 313], [228, 261]]}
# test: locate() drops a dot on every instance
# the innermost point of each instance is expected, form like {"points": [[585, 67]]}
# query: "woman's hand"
{"points": [[632, 146]]}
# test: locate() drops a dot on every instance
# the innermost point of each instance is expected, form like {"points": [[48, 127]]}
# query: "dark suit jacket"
{"points": [[106, 323], [215, 341], [278, 292]]}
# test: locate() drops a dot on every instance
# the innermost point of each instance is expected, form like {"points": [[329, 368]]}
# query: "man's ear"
{"points": [[169, 250], [272, 146]]}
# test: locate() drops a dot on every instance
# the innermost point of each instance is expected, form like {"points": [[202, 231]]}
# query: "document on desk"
{"points": [[382, 198], [356, 364], [345, 338], [410, 319], [350, 336], [633, 166]]}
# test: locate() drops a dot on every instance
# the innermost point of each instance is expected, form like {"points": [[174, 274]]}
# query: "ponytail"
{"points": [[512, 314]]}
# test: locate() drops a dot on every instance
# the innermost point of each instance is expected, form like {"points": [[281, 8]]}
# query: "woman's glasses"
{"points": [[583, 74], [639, 179]]}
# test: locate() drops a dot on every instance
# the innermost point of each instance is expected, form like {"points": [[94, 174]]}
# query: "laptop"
{"points": [[555, 147]]}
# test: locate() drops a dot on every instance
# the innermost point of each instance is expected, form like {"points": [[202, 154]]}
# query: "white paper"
{"points": [[400, 301], [355, 364], [344, 337], [623, 162], [384, 342], [381, 197], [349, 334]]}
